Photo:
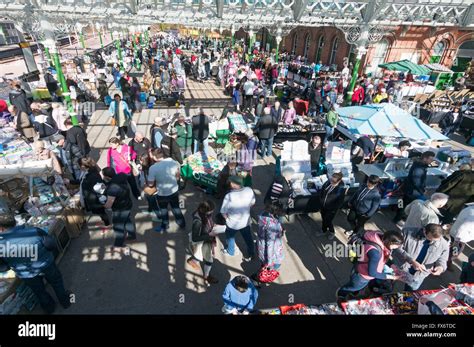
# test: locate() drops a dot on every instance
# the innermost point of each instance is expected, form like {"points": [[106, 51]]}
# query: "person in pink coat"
{"points": [[119, 157], [290, 114]]}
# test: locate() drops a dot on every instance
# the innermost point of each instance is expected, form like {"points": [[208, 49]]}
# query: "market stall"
{"points": [[303, 128], [390, 125], [203, 170], [41, 199], [455, 300], [306, 187], [435, 106]]}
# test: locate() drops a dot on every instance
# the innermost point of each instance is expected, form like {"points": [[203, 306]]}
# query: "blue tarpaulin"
{"points": [[386, 120]]}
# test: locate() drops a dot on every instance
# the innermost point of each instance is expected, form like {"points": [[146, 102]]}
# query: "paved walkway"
{"points": [[155, 278], [16, 68]]}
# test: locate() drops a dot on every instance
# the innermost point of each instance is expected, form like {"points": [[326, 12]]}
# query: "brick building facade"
{"points": [[451, 47]]}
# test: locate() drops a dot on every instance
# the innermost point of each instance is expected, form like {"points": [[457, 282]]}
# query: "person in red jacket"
{"points": [[375, 252], [358, 95]]}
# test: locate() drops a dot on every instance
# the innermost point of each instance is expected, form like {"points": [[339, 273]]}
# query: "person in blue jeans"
{"points": [[164, 175], [240, 296], [236, 211], [33, 269], [118, 199], [375, 252], [266, 127]]}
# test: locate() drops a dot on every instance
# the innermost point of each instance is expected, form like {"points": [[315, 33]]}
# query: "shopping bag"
{"points": [[195, 248], [441, 299], [113, 122], [267, 275]]}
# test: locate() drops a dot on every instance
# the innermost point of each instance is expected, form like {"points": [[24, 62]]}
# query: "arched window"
{"points": [[381, 50], [307, 44], [319, 49], [295, 43], [438, 51], [335, 45]]}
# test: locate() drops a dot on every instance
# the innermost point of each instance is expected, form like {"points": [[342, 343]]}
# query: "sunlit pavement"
{"points": [[154, 277]]}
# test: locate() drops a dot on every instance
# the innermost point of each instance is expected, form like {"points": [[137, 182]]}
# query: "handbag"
{"points": [[113, 122], [150, 190], [267, 275]]}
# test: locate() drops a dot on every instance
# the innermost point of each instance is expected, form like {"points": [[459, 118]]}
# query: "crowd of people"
{"points": [[147, 168]]}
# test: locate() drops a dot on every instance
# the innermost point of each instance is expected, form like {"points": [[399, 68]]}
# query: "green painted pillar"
{"points": [[100, 38], [277, 50], [83, 44], [118, 46], [147, 37], [355, 72], [64, 88], [48, 55]]}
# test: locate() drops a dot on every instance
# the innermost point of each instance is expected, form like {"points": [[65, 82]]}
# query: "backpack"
{"points": [[359, 240]]}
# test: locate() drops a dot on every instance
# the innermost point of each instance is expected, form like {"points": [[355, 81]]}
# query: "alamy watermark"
{"points": [[13, 250], [339, 250]]}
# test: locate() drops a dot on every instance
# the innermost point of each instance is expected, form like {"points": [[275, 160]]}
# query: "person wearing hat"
{"points": [[236, 211], [156, 133], [17, 97], [185, 135], [170, 146], [35, 267]]}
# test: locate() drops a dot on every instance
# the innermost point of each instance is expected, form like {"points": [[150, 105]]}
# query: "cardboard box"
{"points": [[74, 218]]}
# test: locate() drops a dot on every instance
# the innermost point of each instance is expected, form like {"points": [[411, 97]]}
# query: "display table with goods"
{"points": [[305, 194], [306, 187], [436, 105], [203, 170], [45, 202], [303, 129], [338, 159], [394, 170], [414, 88], [455, 300], [238, 123]]}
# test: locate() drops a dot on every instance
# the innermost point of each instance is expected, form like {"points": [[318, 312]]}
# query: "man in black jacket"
{"points": [[415, 183], [331, 200], [266, 127], [363, 205], [200, 125], [51, 84], [76, 135], [118, 199], [18, 98], [140, 144], [277, 111], [315, 148], [280, 192], [170, 146]]}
